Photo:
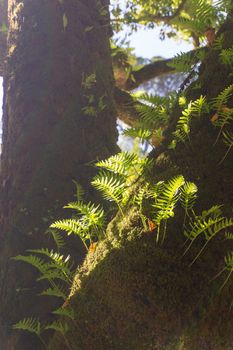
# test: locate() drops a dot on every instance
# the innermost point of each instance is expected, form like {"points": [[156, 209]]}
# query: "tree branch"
{"points": [[151, 71], [126, 107]]}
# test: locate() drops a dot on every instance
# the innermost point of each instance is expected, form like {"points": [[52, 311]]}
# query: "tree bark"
{"points": [[59, 115]]}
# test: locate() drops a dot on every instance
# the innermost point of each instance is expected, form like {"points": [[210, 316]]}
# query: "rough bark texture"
{"points": [[132, 294], [3, 34], [48, 136]]}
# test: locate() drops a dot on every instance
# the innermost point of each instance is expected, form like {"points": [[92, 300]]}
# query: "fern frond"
{"points": [[35, 261], [55, 291], [70, 226], [183, 62], [57, 262], [59, 326], [229, 235], [93, 215], [66, 312], [188, 195], [79, 191], [166, 201], [194, 108], [226, 56], [229, 261], [119, 163], [138, 132], [221, 100], [112, 186], [31, 325], [58, 238]]}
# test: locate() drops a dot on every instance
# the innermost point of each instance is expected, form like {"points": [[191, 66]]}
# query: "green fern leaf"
{"points": [[31, 325]]}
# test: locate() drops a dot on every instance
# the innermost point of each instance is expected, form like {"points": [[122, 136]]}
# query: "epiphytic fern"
{"points": [[194, 109], [188, 195], [165, 202], [87, 224], [31, 325]]}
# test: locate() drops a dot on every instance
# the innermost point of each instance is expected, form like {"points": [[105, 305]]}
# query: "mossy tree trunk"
{"points": [[58, 116], [133, 294]]}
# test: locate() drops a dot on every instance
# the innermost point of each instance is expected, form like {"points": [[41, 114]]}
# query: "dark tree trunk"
{"points": [[48, 133]]}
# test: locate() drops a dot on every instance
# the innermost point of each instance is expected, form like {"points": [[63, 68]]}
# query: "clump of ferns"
{"points": [[154, 112], [88, 222], [58, 270]]}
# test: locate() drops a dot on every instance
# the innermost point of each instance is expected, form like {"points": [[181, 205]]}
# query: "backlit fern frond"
{"points": [[138, 132], [119, 163], [166, 201], [56, 261], [188, 195], [194, 108], [112, 186], [93, 215]]}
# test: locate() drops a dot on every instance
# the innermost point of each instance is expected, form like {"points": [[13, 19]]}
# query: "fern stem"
{"points": [[197, 256], [226, 280], [224, 157], [164, 231], [42, 341]]}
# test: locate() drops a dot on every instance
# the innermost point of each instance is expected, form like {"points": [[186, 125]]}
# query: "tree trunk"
{"points": [[133, 294], [58, 116]]}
